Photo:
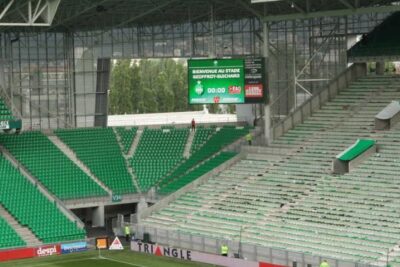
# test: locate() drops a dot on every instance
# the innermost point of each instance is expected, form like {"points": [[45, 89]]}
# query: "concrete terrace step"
{"points": [[72, 156], [25, 233]]}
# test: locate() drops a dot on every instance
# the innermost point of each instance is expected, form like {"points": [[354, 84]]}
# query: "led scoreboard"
{"points": [[219, 81], [226, 81]]}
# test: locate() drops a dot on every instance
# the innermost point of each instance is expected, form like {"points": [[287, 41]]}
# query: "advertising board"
{"points": [[73, 247]]}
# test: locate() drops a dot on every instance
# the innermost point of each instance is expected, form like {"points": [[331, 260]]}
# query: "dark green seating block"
{"points": [[126, 135], [9, 238], [51, 166], [220, 138], [98, 149], [158, 151], [32, 209], [196, 172]]}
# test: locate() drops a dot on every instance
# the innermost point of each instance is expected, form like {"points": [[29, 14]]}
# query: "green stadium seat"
{"points": [[51, 166], [127, 136], [158, 151], [98, 149], [41, 216]]}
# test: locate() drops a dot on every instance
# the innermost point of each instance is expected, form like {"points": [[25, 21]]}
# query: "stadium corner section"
{"points": [[43, 251]]}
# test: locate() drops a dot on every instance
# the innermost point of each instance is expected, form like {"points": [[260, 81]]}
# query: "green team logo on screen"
{"points": [[199, 88], [216, 81]]}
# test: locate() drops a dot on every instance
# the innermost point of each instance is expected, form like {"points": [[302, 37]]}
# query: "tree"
{"points": [[145, 86], [120, 89], [136, 88]]}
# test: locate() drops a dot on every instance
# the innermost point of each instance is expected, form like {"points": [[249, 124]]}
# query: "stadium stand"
{"points": [[216, 139], [98, 149], [382, 41], [157, 152], [127, 135], [41, 216], [290, 201], [196, 172], [9, 238], [201, 136], [50, 166]]}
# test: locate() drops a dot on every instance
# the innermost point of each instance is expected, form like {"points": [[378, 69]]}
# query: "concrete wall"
{"points": [[246, 113]]}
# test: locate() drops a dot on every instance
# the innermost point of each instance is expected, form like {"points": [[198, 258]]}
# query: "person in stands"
{"points": [[249, 138], [127, 233], [324, 263], [193, 125], [224, 250]]}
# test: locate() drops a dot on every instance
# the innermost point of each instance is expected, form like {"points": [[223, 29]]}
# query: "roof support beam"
{"points": [[346, 3], [334, 13], [77, 14], [145, 13], [296, 6], [249, 8], [5, 10], [28, 14]]}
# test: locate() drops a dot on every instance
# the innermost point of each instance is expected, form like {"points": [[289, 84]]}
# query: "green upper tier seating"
{"points": [[51, 166], [98, 149], [196, 172], [5, 112], [201, 136], [127, 136], [31, 208], [222, 137], [157, 152], [384, 40], [9, 238]]}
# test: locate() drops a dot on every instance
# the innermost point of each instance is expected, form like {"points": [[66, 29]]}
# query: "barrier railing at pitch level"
{"points": [[248, 251]]}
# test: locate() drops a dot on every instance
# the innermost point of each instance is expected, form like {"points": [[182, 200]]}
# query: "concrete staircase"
{"points": [[119, 141], [71, 155], [135, 143], [24, 232], [186, 151], [68, 213], [126, 158]]}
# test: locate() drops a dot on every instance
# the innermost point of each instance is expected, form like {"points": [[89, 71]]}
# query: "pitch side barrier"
{"points": [[250, 251], [196, 256], [43, 251]]}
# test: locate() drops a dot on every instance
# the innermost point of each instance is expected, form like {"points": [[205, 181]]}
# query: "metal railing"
{"points": [[249, 251]]}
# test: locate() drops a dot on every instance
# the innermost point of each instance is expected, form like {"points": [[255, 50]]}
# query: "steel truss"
{"points": [[28, 13]]}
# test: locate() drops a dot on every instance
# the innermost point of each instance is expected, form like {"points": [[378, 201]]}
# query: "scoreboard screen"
{"points": [[219, 81]]}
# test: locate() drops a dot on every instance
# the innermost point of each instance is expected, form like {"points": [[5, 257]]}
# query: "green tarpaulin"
{"points": [[355, 150]]}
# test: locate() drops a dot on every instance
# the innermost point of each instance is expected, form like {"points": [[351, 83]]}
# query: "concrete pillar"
{"points": [[267, 125], [380, 67], [98, 216], [142, 205], [267, 109]]}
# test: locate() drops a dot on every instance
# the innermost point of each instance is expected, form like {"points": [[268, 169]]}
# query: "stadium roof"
{"points": [[103, 14]]}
